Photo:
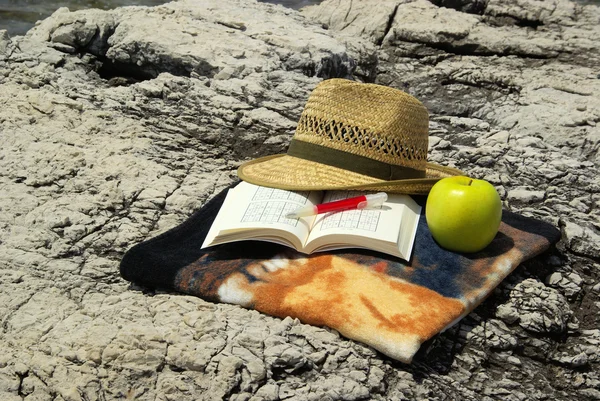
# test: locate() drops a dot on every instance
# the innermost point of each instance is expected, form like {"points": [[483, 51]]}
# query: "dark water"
{"points": [[18, 16]]}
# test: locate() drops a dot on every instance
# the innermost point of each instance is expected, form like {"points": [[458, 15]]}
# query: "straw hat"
{"points": [[354, 136]]}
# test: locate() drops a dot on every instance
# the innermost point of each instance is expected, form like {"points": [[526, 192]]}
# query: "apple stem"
{"points": [[470, 182]]}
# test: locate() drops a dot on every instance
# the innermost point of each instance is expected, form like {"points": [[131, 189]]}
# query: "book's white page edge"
{"points": [[408, 229], [214, 228]]}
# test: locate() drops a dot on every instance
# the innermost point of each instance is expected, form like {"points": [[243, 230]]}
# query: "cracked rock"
{"points": [[536, 308], [583, 239], [117, 125]]}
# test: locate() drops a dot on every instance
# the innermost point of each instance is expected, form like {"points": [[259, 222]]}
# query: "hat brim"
{"points": [[293, 173]]}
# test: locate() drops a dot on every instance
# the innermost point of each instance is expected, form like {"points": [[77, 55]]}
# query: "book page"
{"points": [[377, 228], [381, 223], [254, 212]]}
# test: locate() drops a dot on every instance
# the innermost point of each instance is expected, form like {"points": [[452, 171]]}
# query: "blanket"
{"points": [[385, 302]]}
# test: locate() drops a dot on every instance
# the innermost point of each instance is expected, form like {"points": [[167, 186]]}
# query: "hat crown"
{"points": [[373, 121], [355, 136]]}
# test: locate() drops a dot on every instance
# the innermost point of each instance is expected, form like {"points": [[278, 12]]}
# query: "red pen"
{"points": [[358, 202]]}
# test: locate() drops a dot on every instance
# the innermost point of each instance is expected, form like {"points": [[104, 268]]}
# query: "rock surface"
{"points": [[117, 125]]}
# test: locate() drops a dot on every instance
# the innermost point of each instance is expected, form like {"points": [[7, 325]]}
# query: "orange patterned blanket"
{"points": [[382, 301]]}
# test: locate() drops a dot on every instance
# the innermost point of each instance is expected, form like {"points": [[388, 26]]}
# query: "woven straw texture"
{"points": [[372, 121], [292, 173]]}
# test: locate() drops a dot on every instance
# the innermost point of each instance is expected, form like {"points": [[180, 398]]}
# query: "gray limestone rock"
{"points": [[117, 125], [536, 308], [4, 42], [583, 238]]}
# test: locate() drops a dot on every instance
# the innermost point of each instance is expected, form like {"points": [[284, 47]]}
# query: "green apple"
{"points": [[463, 214]]}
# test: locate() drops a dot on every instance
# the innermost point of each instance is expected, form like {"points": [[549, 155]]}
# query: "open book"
{"points": [[251, 212]]}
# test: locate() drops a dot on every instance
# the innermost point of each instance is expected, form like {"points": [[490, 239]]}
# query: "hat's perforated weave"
{"points": [[373, 121], [363, 142]]}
